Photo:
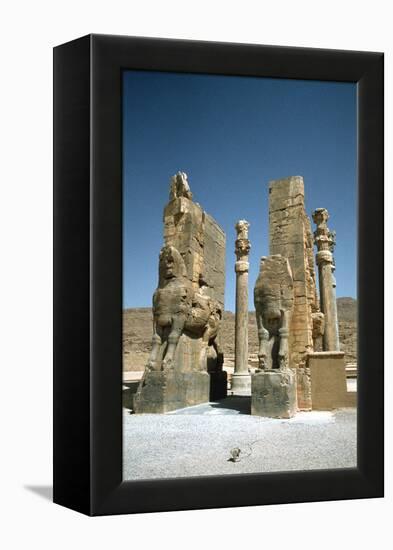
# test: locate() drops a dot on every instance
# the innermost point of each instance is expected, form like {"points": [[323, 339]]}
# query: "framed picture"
{"points": [[218, 275]]}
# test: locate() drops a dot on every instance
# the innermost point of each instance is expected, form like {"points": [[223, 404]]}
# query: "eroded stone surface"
{"points": [[328, 381], [274, 301], [291, 237], [325, 241], [164, 391], [187, 308], [241, 379], [274, 393], [274, 384]]}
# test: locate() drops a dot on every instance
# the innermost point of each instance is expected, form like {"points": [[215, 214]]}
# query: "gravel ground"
{"points": [[197, 441]]}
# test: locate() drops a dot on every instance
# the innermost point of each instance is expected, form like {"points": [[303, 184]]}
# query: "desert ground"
{"points": [[198, 440]]}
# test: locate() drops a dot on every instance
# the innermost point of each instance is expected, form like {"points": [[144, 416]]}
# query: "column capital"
{"points": [[320, 216], [242, 244], [324, 239], [242, 229]]}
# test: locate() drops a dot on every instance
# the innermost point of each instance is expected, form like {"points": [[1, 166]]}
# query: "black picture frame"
{"points": [[88, 274]]}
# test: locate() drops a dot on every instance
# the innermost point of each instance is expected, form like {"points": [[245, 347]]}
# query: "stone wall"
{"points": [[185, 364], [200, 241], [328, 381], [291, 236]]}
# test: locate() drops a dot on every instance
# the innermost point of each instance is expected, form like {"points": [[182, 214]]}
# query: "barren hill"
{"points": [[137, 333]]}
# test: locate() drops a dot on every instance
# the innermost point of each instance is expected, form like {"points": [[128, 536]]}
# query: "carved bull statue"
{"points": [[273, 299], [178, 308]]}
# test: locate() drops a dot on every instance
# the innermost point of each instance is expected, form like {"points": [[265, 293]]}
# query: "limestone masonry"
{"points": [[241, 379], [299, 363], [185, 364], [325, 241], [291, 324], [291, 237]]}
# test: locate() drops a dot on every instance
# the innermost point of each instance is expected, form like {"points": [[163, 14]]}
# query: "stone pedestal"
{"points": [[241, 378], [274, 394], [241, 383], [328, 380], [163, 391]]}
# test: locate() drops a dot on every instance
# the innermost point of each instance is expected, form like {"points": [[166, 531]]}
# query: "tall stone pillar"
{"points": [[241, 379], [185, 363], [291, 237], [334, 309], [324, 240]]}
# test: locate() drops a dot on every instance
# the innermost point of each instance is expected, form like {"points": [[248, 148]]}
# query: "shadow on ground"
{"points": [[44, 491], [241, 404]]}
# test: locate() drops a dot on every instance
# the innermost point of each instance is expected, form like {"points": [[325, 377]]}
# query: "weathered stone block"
{"points": [[287, 187], [160, 392], [187, 308], [273, 300], [274, 394], [291, 237], [328, 380], [303, 385]]}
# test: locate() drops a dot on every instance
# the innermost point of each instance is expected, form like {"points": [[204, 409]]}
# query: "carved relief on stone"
{"points": [[242, 229], [323, 238], [179, 309], [242, 245], [274, 300], [325, 241], [243, 248], [241, 379], [185, 363]]}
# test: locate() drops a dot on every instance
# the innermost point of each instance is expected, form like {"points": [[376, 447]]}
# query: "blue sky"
{"points": [[232, 135]]}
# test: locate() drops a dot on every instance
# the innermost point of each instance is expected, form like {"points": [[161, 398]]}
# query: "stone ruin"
{"points": [[241, 379], [291, 236], [291, 323], [273, 385], [300, 366], [325, 241], [185, 364]]}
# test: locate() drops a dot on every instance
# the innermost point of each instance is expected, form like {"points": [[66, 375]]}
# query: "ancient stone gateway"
{"points": [[291, 323], [290, 244], [185, 364]]}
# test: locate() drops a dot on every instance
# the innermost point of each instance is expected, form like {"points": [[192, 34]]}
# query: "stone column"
{"points": [[324, 240], [241, 379], [332, 235]]}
